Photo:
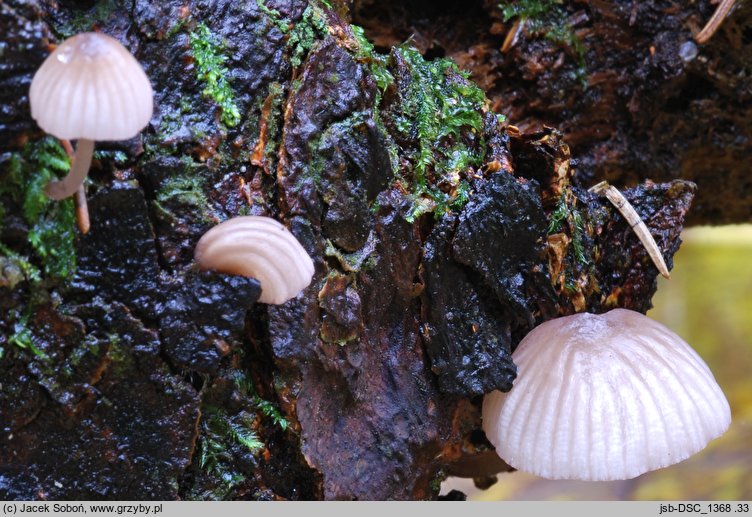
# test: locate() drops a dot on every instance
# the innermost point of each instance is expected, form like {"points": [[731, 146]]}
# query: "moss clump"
{"points": [[443, 111], [310, 28], [376, 62], [567, 219], [567, 212], [186, 190], [274, 16], [229, 443], [549, 19], [221, 436], [85, 20], [210, 70], [22, 336], [51, 223], [49, 256], [301, 35], [245, 387], [220, 428], [14, 269], [184, 193]]}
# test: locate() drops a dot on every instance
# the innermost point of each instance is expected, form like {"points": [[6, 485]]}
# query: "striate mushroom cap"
{"points": [[604, 397], [261, 248], [91, 87]]}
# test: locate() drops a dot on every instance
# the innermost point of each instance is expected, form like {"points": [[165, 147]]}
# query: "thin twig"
{"points": [[637, 224], [512, 35], [715, 21]]}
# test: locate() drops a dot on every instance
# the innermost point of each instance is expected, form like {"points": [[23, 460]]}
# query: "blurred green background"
{"points": [[708, 302]]}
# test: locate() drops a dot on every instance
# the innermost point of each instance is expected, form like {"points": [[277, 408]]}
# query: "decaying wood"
{"points": [[644, 100], [139, 377]]}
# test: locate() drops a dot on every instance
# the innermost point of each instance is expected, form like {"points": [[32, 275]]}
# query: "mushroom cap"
{"points": [[261, 248], [604, 397], [91, 87]]}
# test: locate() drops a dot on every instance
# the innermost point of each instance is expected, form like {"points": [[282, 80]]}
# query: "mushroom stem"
{"points": [[79, 168], [512, 35], [715, 21], [82, 207], [82, 210]]}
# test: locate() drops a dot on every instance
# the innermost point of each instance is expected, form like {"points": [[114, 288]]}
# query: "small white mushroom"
{"points": [[604, 397], [261, 248], [90, 88]]}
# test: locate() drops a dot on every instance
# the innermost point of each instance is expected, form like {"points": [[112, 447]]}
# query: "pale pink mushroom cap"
{"points": [[261, 248], [91, 87], [603, 397]]}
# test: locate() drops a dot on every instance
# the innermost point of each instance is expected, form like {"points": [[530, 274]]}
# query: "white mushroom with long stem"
{"points": [[90, 88], [261, 248], [604, 397]]}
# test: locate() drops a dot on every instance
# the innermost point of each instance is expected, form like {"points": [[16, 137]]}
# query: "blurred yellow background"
{"points": [[708, 302]]}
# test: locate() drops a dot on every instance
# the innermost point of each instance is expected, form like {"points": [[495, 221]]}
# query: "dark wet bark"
{"points": [[139, 377], [645, 102]]}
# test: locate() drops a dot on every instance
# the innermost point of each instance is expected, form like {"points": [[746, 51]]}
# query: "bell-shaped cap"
{"points": [[603, 397], [91, 87], [261, 248]]}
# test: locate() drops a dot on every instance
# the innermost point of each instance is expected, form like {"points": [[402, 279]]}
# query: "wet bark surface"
{"points": [[634, 94], [436, 248]]}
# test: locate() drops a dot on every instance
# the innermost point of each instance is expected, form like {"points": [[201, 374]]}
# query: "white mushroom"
{"points": [[260, 248], [603, 397], [90, 88]]}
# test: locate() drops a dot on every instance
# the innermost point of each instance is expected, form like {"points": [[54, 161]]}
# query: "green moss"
{"points": [[527, 9], [219, 429], [245, 387], [549, 19], [22, 336], [220, 435], [578, 231], [319, 160], [566, 212], [210, 70], [14, 269], [558, 216], [227, 438], [187, 190], [435, 484], [274, 16], [176, 27], [86, 20], [89, 346], [443, 111], [51, 223], [375, 61], [302, 34], [119, 158]]}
